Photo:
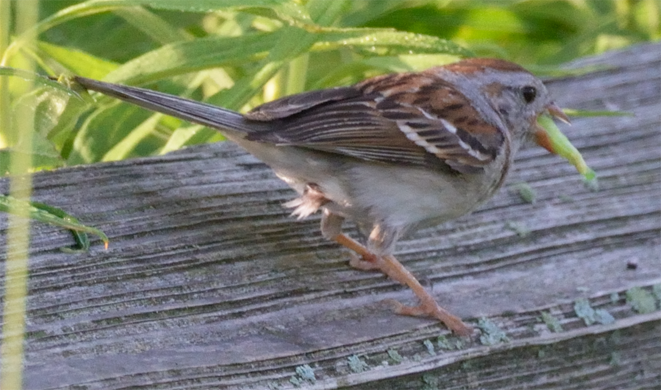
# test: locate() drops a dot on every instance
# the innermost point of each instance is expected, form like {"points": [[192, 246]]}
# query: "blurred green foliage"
{"points": [[240, 53]]}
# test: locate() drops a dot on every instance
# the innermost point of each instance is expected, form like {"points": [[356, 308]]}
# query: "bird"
{"points": [[394, 153]]}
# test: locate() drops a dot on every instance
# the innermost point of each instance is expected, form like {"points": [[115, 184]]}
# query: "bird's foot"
{"points": [[366, 261], [429, 308]]}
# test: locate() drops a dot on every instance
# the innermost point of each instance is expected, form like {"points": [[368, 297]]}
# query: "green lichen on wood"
{"points": [[616, 359], [304, 375], [526, 192], [429, 382], [641, 300], [602, 316], [491, 333], [551, 322], [430, 347], [449, 344], [656, 290], [520, 229], [395, 356], [615, 297], [356, 364], [591, 316], [584, 311]]}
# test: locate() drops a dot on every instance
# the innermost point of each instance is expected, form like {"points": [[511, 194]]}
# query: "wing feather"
{"points": [[414, 119]]}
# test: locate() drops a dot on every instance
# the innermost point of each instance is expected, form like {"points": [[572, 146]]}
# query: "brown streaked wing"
{"points": [[480, 135], [410, 118]]}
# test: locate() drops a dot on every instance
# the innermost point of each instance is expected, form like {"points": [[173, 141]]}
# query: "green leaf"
{"points": [[362, 12], [37, 79], [47, 105], [561, 145], [128, 144], [179, 138], [352, 72], [153, 25], [646, 15], [292, 42], [357, 70], [76, 61], [54, 216], [43, 155], [103, 129], [55, 114], [387, 42], [188, 56], [587, 113], [327, 13], [288, 11]]}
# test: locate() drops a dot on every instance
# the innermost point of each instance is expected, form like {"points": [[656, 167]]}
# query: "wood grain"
{"points": [[208, 284]]}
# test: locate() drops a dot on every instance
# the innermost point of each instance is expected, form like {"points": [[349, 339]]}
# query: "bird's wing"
{"points": [[407, 118]]}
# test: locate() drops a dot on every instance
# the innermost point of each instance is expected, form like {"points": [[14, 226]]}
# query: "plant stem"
{"points": [[5, 28], [18, 232]]}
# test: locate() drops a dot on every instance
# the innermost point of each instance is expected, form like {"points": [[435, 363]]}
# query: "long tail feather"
{"points": [[201, 113]]}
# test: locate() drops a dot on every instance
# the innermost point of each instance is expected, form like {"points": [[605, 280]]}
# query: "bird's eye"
{"points": [[529, 93]]}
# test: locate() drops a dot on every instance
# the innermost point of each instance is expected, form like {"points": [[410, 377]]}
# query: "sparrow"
{"points": [[394, 153]]}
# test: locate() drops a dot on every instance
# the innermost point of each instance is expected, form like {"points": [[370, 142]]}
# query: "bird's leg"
{"points": [[395, 270]]}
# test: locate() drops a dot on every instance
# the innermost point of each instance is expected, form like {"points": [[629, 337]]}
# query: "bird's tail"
{"points": [[201, 113]]}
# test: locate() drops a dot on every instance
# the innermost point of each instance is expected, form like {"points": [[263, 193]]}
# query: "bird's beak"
{"points": [[557, 112], [541, 136]]}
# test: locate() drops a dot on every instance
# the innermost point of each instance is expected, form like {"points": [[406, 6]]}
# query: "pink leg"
{"points": [[395, 270]]}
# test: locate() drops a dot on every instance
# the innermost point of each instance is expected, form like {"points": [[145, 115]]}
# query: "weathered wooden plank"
{"points": [[209, 284]]}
